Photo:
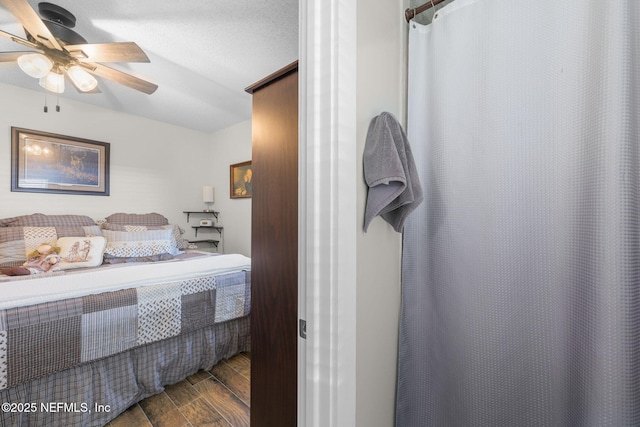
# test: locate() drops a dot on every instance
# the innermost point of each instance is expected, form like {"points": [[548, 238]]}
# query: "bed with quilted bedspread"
{"points": [[79, 346]]}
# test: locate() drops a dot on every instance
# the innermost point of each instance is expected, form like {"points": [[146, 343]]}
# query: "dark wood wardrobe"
{"points": [[274, 249]]}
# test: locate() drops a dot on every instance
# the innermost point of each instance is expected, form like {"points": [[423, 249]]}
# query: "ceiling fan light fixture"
{"points": [[84, 81], [35, 65], [58, 48], [53, 82]]}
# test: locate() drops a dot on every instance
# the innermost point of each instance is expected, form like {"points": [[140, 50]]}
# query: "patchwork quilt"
{"points": [[49, 337]]}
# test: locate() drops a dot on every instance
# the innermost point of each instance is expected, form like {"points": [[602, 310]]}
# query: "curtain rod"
{"points": [[411, 13]]}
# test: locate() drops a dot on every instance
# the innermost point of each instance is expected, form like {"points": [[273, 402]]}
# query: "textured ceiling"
{"points": [[203, 54]]}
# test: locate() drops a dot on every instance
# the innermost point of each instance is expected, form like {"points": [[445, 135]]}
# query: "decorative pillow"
{"points": [[87, 230], [77, 252], [12, 253], [137, 244], [36, 236], [122, 227], [181, 242], [42, 220], [108, 259], [8, 222], [16, 243], [148, 219], [177, 241]]}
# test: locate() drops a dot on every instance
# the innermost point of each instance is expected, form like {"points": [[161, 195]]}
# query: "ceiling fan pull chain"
{"points": [[46, 109], [57, 104]]}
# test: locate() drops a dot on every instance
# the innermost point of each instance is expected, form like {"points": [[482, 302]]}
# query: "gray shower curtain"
{"points": [[521, 270]]}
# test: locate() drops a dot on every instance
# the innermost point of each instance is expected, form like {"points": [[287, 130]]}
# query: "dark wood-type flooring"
{"points": [[219, 397]]}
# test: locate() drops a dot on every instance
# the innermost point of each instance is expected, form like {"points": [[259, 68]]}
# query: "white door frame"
{"points": [[327, 213]]}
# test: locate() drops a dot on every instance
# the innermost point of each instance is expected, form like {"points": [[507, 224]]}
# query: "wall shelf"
{"points": [[210, 241], [214, 227], [213, 242], [214, 213]]}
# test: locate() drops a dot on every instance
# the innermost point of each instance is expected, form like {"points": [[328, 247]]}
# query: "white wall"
{"points": [[155, 167], [381, 44], [229, 146]]}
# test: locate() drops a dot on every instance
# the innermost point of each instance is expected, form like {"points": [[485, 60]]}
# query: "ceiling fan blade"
{"points": [[122, 78], [11, 56], [18, 39], [31, 22], [107, 52]]}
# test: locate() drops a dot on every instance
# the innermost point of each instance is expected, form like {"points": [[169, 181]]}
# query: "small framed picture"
{"points": [[43, 162], [241, 180]]}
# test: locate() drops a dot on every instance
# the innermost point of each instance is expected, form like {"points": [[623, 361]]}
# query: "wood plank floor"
{"points": [[219, 397]]}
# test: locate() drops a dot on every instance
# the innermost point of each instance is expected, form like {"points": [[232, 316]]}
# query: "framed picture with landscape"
{"points": [[43, 162], [241, 180]]}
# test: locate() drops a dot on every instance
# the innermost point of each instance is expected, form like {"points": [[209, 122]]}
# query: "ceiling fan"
{"points": [[58, 51]]}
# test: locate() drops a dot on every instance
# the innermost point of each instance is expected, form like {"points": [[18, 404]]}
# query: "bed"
{"points": [[81, 345]]}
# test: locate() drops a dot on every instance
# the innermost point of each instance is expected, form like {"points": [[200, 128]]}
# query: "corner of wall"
{"points": [[229, 146], [382, 40]]}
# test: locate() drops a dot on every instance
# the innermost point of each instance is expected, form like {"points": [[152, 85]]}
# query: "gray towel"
{"points": [[390, 172]]}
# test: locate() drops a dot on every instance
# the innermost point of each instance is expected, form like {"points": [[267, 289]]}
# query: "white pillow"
{"points": [[77, 252], [131, 244]]}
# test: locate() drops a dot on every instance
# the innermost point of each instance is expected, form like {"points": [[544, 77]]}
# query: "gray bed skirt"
{"points": [[94, 393]]}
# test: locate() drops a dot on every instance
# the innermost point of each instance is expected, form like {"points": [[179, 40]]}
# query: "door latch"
{"points": [[303, 328]]}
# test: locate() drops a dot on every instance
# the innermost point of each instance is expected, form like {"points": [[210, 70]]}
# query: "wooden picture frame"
{"points": [[43, 162], [240, 180]]}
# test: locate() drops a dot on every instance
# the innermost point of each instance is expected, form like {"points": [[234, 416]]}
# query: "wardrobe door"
{"points": [[274, 250]]}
